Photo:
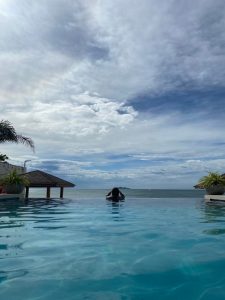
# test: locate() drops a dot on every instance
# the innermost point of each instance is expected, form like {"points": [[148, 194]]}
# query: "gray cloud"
{"points": [[90, 45], [61, 26], [39, 42], [69, 68]]}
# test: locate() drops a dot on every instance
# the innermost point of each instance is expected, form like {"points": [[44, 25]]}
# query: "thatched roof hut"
{"points": [[40, 179]]}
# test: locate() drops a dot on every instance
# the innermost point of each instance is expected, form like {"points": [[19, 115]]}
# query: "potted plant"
{"points": [[214, 183], [14, 183]]}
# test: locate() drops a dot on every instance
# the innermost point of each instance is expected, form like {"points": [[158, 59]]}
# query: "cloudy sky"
{"points": [[123, 92]]}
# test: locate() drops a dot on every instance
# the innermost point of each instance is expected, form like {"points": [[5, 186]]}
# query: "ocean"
{"points": [[74, 193]]}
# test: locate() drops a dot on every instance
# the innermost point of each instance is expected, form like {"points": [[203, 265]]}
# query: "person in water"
{"points": [[115, 194]]}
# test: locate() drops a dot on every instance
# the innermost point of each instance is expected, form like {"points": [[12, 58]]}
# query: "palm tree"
{"points": [[8, 134]]}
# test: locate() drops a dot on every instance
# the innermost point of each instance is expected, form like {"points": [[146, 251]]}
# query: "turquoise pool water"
{"points": [[88, 248]]}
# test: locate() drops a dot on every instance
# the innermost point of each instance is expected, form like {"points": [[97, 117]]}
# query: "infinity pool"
{"points": [[94, 249]]}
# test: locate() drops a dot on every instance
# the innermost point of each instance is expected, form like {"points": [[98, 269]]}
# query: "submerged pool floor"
{"points": [[94, 249]]}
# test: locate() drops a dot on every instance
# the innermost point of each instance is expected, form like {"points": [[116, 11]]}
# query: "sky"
{"points": [[115, 93]]}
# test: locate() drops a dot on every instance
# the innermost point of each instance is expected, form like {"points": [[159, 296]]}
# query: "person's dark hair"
{"points": [[115, 192]]}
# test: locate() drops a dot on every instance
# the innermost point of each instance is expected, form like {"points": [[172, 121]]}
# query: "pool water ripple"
{"points": [[94, 249]]}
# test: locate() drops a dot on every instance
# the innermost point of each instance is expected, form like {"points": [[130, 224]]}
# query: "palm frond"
{"points": [[8, 134], [25, 140], [213, 178]]}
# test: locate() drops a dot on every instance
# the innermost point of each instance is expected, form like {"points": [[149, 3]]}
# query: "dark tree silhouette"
{"points": [[9, 134]]}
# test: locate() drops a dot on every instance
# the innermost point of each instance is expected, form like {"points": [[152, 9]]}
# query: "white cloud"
{"points": [[154, 46], [157, 46], [166, 175], [51, 54], [83, 115]]}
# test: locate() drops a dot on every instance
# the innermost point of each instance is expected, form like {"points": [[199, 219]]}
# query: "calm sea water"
{"points": [[83, 247]]}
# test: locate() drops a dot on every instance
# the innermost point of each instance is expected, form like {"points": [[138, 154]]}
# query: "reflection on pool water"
{"points": [[94, 249]]}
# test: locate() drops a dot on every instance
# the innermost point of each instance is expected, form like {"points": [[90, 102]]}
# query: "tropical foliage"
{"points": [[212, 179], [14, 178], [3, 157], [9, 134]]}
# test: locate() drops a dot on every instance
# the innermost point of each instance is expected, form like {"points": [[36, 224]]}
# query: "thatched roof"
{"points": [[41, 179]]}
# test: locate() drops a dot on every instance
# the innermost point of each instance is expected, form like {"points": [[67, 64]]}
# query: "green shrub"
{"points": [[3, 157], [14, 178], [212, 179]]}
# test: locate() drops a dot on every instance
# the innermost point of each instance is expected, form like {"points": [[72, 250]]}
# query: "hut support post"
{"points": [[48, 194], [27, 192], [61, 192]]}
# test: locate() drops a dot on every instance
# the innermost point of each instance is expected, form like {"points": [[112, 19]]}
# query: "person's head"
{"points": [[115, 192]]}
